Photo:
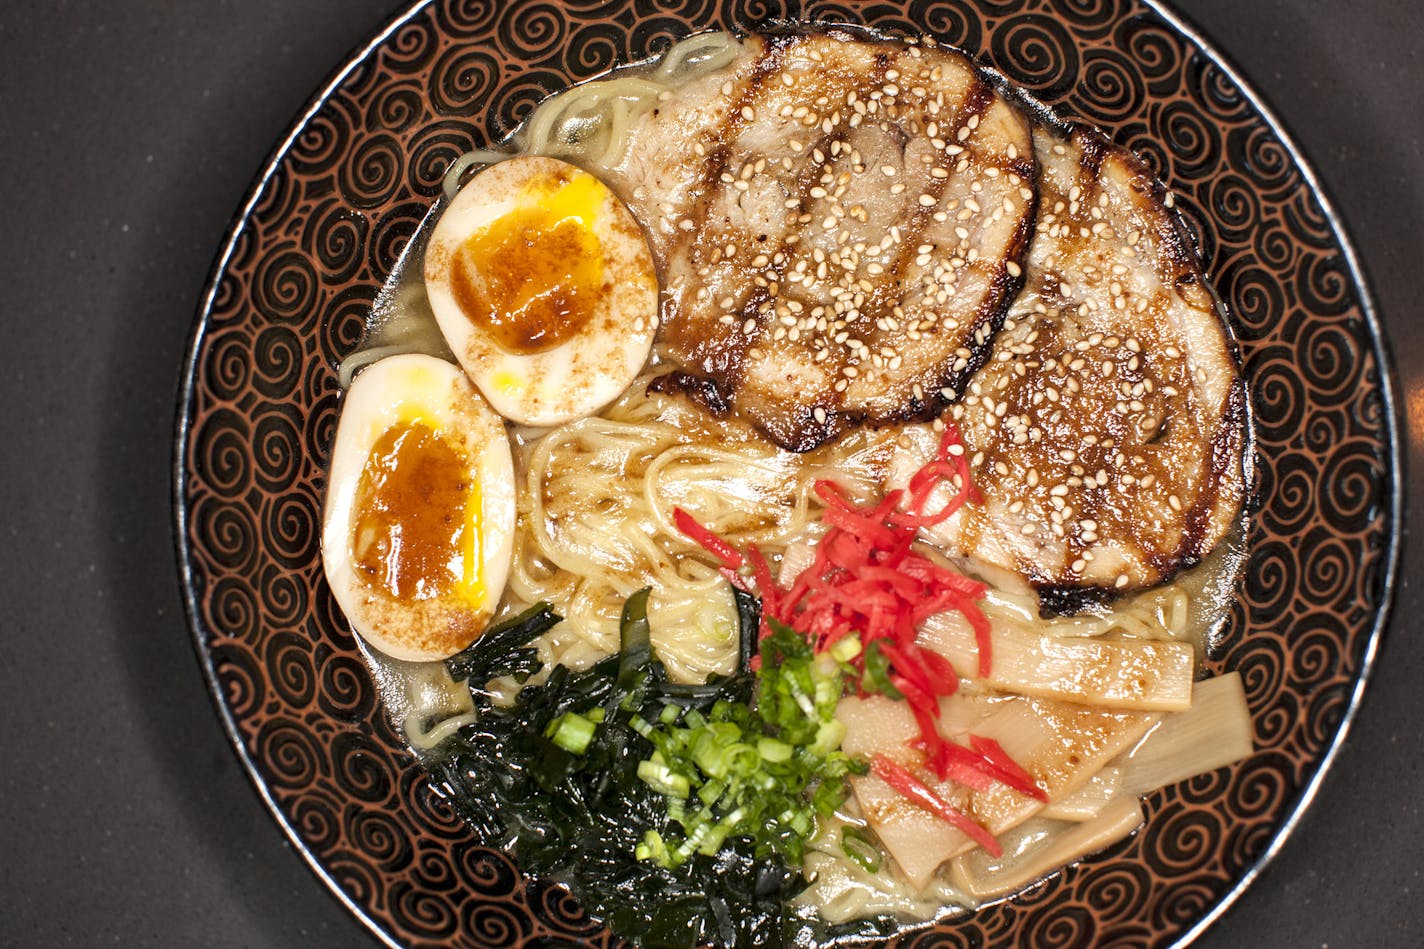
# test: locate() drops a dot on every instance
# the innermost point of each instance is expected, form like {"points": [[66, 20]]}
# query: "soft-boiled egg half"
{"points": [[544, 288], [419, 523]]}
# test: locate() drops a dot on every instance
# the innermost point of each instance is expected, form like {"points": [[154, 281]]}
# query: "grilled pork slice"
{"points": [[841, 225], [1107, 431]]}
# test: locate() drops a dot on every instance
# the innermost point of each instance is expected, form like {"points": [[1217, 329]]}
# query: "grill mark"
{"points": [[700, 389], [1174, 246], [715, 163], [733, 354], [995, 307], [1093, 148], [1218, 481], [1174, 250], [772, 63], [976, 101], [989, 317], [811, 432], [720, 396], [1004, 288], [1225, 451], [837, 420], [730, 358]]}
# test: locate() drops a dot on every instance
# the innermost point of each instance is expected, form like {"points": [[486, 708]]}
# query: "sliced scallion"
{"points": [[571, 732], [846, 649], [663, 779], [774, 750], [858, 846]]}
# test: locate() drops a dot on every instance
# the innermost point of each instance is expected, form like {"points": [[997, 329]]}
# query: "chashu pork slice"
{"points": [[841, 225], [1107, 431]]}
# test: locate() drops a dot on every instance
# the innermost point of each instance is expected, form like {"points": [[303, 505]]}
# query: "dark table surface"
{"points": [[130, 132]]}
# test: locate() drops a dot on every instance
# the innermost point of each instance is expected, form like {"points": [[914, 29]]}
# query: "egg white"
{"points": [[391, 392]]}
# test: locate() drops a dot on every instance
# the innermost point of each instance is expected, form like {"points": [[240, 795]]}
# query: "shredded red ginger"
{"points": [[867, 580]]}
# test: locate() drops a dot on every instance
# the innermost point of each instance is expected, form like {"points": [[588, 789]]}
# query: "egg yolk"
{"points": [[533, 278], [417, 529]]}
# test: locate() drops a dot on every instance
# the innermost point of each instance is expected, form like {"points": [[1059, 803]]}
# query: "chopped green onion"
{"points": [[653, 848], [571, 732], [743, 758], [801, 823], [765, 771], [677, 809], [877, 673], [846, 649], [711, 838], [802, 699], [711, 792], [773, 750], [709, 755], [829, 736], [858, 846], [663, 779]]}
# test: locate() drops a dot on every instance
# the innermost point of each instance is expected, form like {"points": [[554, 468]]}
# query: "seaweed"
{"points": [[576, 819]]}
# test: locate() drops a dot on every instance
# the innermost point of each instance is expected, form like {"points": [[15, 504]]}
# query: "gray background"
{"points": [[130, 132]]}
